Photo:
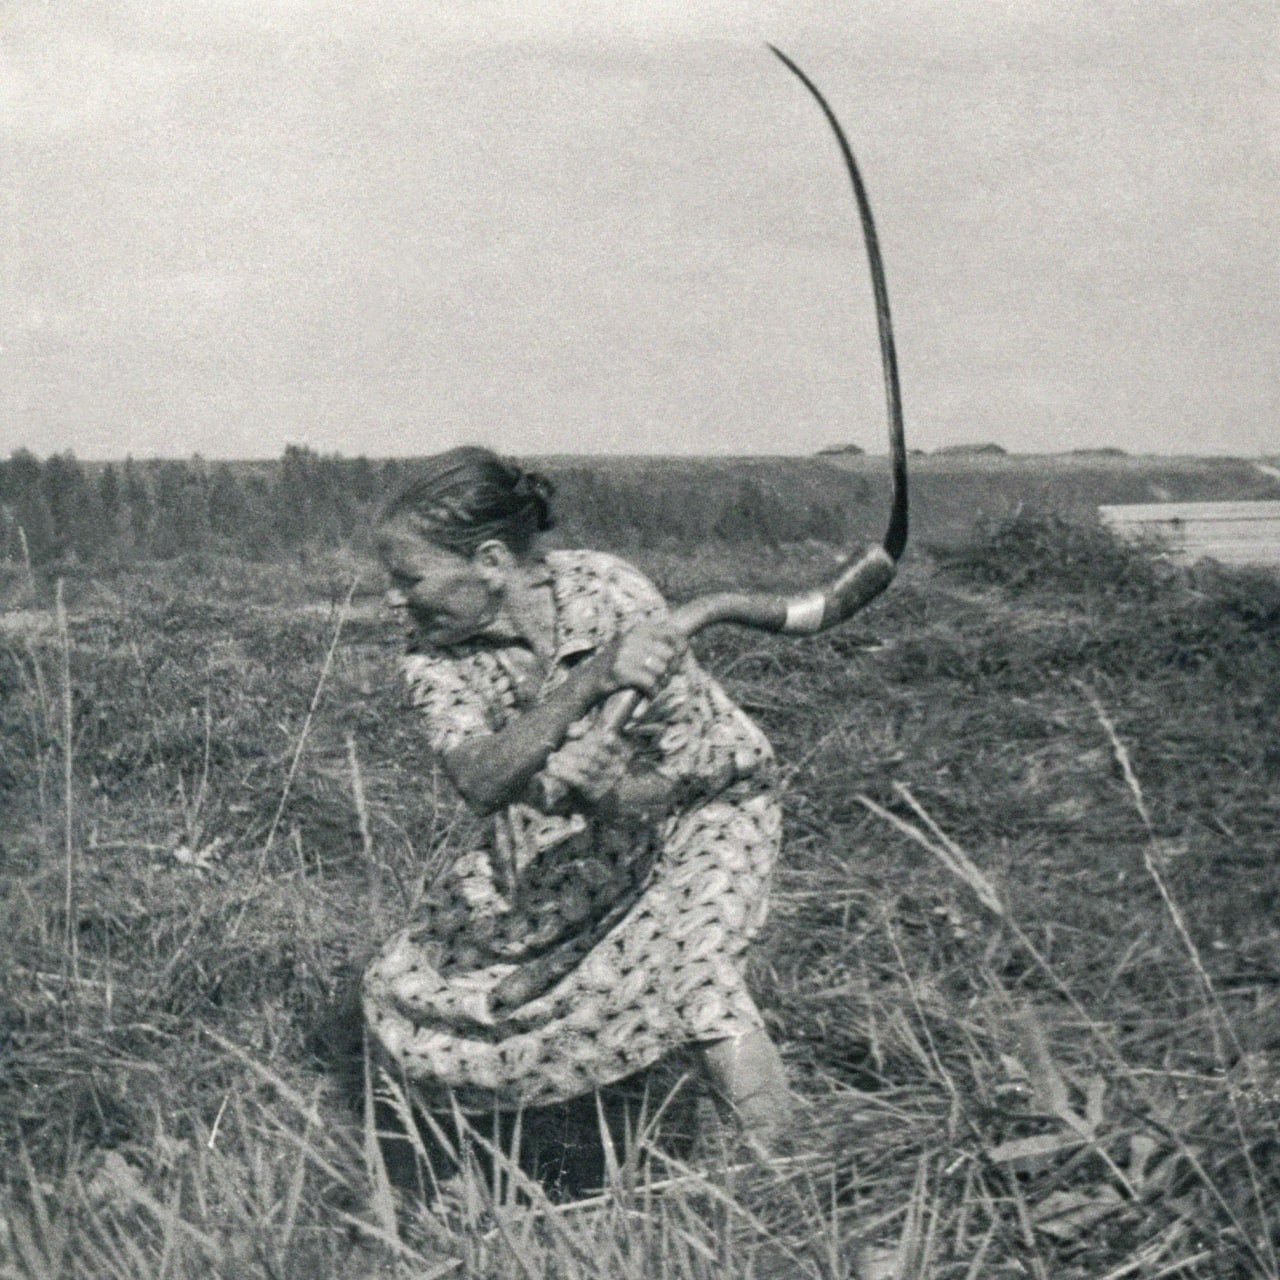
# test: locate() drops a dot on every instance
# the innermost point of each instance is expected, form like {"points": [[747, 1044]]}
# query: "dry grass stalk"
{"points": [[343, 611], [71, 951], [357, 792], [962, 866], [1125, 763], [26, 560], [954, 857], [304, 732], [942, 848]]}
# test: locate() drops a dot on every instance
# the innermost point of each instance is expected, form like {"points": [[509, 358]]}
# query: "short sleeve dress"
{"points": [[571, 952]]}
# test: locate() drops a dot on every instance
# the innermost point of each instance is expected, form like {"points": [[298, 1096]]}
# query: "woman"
{"points": [[606, 923]]}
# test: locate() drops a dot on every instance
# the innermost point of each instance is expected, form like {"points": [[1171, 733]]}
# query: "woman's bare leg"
{"points": [[747, 1073]]}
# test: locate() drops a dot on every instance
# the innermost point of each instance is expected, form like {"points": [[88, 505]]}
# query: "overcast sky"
{"points": [[622, 226]]}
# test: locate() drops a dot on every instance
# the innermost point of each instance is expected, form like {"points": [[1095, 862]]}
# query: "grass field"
{"points": [[1024, 956]]}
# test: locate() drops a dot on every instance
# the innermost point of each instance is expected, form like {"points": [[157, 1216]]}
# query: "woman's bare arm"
{"points": [[492, 771]]}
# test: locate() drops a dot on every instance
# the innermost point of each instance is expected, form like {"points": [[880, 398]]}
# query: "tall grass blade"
{"points": [[381, 1198], [945, 850], [303, 733], [72, 941]]}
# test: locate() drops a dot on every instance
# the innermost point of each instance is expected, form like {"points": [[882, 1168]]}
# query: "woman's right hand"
{"points": [[591, 763], [643, 658]]}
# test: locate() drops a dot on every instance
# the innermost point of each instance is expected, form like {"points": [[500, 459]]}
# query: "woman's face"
{"points": [[448, 596]]}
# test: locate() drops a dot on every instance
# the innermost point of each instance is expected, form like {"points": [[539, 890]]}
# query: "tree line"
{"points": [[61, 511]]}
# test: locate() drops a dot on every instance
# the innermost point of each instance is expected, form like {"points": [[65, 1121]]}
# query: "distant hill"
{"points": [[989, 450]]}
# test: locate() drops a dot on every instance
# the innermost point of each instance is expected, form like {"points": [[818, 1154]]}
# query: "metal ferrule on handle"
{"points": [[855, 584]]}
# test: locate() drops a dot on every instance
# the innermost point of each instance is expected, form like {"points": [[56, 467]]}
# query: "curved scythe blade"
{"points": [[859, 579], [895, 540]]}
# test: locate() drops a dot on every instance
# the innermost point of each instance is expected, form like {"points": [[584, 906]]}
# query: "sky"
{"points": [[621, 226]]}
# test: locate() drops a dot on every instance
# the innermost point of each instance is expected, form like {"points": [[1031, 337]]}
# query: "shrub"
{"points": [[1037, 550]]}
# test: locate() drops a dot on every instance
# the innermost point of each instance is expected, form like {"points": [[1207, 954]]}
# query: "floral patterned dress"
{"points": [[572, 952]]}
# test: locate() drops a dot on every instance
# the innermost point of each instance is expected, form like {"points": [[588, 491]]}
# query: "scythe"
{"points": [[865, 573], [857, 581]]}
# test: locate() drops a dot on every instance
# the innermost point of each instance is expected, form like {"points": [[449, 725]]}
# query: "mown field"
{"points": [[1023, 961]]}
